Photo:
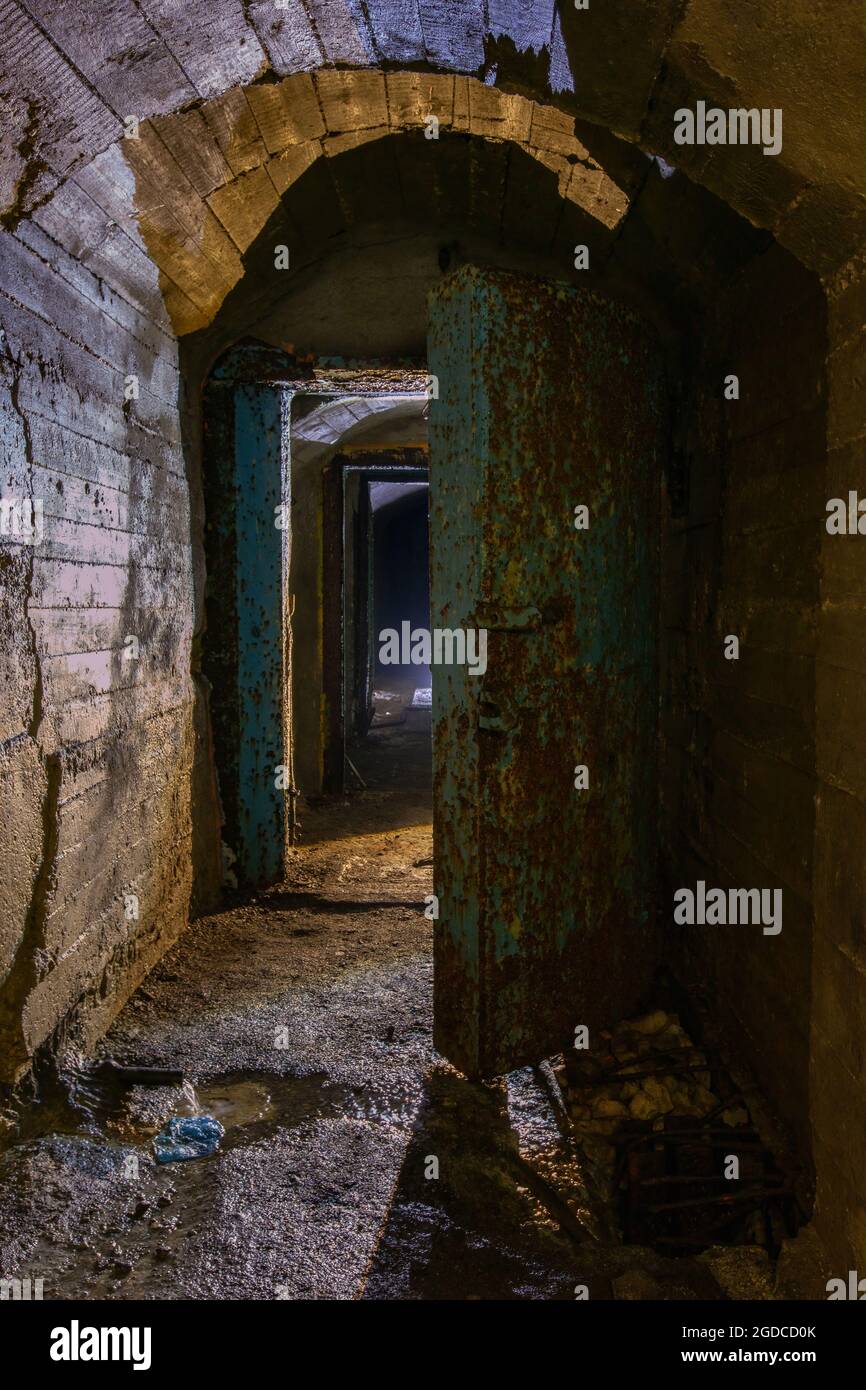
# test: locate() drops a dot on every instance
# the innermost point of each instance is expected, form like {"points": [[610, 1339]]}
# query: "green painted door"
{"points": [[549, 399]]}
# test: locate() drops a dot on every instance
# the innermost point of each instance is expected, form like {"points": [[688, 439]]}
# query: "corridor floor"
{"points": [[301, 1019]]}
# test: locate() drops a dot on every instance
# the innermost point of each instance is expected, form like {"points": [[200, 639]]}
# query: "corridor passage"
{"points": [[301, 1019], [432, 663]]}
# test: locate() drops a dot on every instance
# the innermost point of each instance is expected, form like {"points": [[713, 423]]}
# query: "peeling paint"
{"points": [[546, 892]]}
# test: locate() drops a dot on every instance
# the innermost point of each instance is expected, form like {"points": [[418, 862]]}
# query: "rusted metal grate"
{"points": [[663, 1120], [673, 1194]]}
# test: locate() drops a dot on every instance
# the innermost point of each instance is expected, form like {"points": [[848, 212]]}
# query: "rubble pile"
{"points": [[669, 1144], [645, 1069]]}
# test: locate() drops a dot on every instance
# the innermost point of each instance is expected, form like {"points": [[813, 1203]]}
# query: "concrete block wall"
{"points": [[838, 1026], [739, 737], [95, 748]]}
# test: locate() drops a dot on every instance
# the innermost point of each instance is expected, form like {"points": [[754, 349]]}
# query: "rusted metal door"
{"points": [[550, 399]]}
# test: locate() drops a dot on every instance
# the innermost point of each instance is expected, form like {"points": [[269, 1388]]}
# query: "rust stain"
{"points": [[545, 891]]}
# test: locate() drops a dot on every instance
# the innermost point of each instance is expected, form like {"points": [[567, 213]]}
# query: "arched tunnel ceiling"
{"points": [[356, 420], [284, 128], [372, 229], [209, 83]]}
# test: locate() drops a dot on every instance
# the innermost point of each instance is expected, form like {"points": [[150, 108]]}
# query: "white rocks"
{"points": [[605, 1109], [616, 1088], [649, 1024], [652, 1100]]}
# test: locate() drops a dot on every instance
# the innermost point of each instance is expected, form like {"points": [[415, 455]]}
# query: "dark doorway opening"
{"points": [[378, 595], [395, 748]]}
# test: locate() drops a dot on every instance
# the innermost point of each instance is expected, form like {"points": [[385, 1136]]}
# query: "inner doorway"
{"points": [[368, 835], [378, 593], [544, 540]]}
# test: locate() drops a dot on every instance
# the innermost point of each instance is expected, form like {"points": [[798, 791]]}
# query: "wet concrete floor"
{"points": [[356, 1163]]}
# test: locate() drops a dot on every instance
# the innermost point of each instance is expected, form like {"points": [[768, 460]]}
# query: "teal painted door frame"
{"points": [[247, 640], [261, 491]]}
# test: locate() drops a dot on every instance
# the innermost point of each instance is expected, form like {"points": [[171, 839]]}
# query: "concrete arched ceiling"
{"points": [[189, 190], [355, 420], [204, 191], [372, 230]]}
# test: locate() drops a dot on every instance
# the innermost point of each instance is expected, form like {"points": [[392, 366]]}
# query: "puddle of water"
{"points": [[237, 1103], [171, 1203], [96, 1101]]}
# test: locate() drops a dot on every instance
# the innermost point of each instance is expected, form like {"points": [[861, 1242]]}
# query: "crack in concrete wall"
{"points": [[24, 972]]}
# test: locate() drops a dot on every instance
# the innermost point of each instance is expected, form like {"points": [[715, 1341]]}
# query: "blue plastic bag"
{"points": [[188, 1136]]}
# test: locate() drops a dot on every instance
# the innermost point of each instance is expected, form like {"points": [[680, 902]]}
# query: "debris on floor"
{"points": [[673, 1143], [389, 707], [299, 1021], [188, 1136]]}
